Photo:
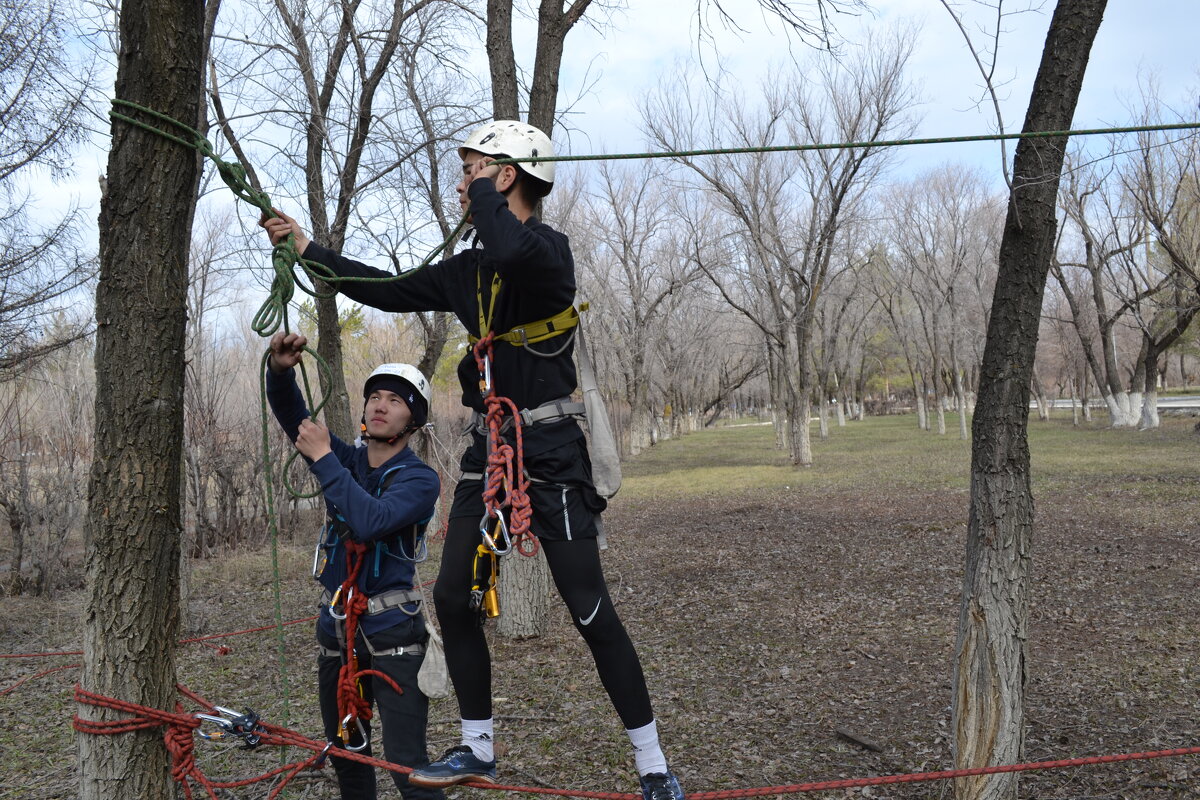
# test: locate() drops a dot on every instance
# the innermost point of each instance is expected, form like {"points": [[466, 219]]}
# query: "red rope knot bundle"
{"points": [[178, 738], [351, 703], [505, 469]]}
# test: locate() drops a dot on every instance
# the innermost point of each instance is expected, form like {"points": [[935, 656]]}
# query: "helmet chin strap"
{"points": [[386, 439]]}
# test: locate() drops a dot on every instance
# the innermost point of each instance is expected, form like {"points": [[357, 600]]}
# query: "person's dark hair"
{"points": [[531, 188]]}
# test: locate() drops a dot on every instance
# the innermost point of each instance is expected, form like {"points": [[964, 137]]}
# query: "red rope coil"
{"points": [[505, 468]]}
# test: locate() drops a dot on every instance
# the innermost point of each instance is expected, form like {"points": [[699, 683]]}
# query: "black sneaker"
{"points": [[661, 786], [457, 765]]}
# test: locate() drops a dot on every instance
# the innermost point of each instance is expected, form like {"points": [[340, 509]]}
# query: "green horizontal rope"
{"points": [[875, 143]]}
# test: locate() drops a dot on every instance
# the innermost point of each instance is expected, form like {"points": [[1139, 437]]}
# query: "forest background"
{"points": [[763, 285], [696, 269]]}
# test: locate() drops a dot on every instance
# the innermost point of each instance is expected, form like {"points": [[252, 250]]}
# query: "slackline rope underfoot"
{"points": [[181, 728]]}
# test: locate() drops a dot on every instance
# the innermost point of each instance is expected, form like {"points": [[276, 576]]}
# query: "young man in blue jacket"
{"points": [[521, 275], [379, 495]]}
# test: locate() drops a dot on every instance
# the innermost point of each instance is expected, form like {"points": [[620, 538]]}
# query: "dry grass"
{"points": [[770, 607]]}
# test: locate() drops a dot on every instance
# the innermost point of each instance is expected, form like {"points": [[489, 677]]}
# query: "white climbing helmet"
{"points": [[506, 137], [412, 386]]}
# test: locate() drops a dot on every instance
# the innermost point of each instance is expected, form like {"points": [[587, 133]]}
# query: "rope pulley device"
{"points": [[230, 723], [485, 597]]}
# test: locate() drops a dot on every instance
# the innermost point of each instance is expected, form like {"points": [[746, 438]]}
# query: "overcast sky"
{"points": [[610, 64], [608, 69]]}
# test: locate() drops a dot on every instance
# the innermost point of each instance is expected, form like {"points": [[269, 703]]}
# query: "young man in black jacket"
{"points": [[379, 496], [523, 273]]}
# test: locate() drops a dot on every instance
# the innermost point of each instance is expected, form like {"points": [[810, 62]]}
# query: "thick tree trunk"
{"points": [[991, 659], [131, 613], [524, 588], [501, 60], [338, 412]]}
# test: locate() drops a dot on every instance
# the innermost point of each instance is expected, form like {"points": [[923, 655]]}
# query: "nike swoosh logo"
{"points": [[591, 616]]}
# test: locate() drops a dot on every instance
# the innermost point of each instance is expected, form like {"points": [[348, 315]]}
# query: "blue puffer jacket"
{"points": [[384, 505]]}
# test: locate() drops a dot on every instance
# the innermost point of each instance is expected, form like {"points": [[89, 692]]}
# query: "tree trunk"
{"points": [[131, 612], [502, 62], [524, 589], [1039, 397], [990, 659]]}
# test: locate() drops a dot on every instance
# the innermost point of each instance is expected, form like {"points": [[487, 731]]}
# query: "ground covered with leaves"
{"points": [[790, 631]]}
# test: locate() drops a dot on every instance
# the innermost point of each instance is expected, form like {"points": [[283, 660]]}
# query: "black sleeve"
{"points": [[530, 255], [420, 290]]}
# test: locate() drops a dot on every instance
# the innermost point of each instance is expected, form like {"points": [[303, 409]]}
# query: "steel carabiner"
{"points": [[345, 733]]}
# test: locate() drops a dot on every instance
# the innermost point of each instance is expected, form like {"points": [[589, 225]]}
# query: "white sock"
{"points": [[477, 735], [647, 753]]}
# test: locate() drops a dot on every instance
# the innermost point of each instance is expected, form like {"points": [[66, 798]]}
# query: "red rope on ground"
{"points": [[180, 741], [193, 640], [184, 762], [13, 688], [505, 468], [210, 637]]}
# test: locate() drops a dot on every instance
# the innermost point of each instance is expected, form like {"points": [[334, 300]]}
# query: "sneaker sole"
{"points": [[435, 782]]}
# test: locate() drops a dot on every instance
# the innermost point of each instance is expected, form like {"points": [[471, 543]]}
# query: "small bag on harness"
{"points": [[602, 445], [433, 679]]}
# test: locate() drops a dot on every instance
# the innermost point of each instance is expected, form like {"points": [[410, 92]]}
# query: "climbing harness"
{"points": [[348, 603], [530, 333]]}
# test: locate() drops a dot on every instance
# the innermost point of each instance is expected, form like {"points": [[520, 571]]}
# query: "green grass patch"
{"points": [[890, 452]]}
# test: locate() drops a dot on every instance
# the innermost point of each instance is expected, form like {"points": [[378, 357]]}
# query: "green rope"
{"points": [[795, 148]]}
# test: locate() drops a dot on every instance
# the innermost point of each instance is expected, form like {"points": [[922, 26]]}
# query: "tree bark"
{"points": [[524, 589], [991, 658], [502, 61], [131, 614]]}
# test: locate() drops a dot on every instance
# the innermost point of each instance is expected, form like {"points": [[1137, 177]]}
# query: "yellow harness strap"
{"points": [[522, 335]]}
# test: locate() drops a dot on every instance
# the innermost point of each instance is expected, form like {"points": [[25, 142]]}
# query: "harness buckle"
{"points": [[230, 723]]}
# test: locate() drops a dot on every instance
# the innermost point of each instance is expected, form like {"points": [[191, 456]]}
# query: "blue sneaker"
{"points": [[457, 765], [661, 786]]}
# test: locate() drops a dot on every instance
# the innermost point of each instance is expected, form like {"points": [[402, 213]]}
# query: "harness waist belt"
{"points": [[533, 332], [550, 411], [386, 601], [404, 650]]}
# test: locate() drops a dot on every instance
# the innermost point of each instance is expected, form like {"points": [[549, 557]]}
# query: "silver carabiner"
{"points": [[487, 376], [232, 723], [333, 601], [362, 732], [487, 537]]}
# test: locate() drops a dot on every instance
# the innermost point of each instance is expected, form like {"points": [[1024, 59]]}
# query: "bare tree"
{"points": [[1101, 231], [990, 666], [943, 234], [633, 269], [42, 93], [1162, 180], [789, 209], [342, 59], [131, 612]]}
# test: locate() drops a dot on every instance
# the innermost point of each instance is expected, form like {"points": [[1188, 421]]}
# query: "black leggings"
{"points": [[575, 567]]}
